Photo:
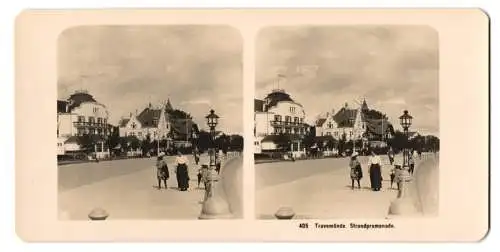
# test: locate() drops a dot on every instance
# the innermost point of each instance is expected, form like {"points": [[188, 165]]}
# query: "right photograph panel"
{"points": [[346, 122]]}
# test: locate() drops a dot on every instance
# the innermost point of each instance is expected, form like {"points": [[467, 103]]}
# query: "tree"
{"points": [[342, 142], [123, 142], [179, 114], [308, 141], [86, 143], [283, 142], [146, 144], [204, 140], [331, 144], [374, 114], [236, 142], [134, 142], [113, 140]]}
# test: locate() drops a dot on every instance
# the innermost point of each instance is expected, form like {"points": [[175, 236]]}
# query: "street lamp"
{"points": [[212, 120], [405, 121], [403, 204], [214, 207]]}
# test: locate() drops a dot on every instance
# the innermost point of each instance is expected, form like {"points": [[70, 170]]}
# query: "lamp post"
{"points": [[405, 121], [214, 207], [403, 204]]}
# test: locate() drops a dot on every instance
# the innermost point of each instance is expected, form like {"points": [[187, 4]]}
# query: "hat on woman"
{"points": [[354, 154], [161, 154]]}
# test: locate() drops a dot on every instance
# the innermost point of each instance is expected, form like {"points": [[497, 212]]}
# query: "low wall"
{"points": [[424, 187], [427, 185], [230, 187]]}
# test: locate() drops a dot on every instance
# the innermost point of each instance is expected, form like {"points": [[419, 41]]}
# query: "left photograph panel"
{"points": [[149, 123]]}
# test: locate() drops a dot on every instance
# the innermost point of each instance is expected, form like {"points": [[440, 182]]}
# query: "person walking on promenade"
{"points": [[196, 155], [182, 172], [162, 170], [411, 161], [218, 162], [356, 171], [398, 170], [390, 154], [374, 163]]}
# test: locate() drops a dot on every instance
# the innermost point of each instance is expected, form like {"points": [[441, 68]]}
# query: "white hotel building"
{"points": [[279, 118], [81, 114]]}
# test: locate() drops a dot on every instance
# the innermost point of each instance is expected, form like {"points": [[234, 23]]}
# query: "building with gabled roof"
{"points": [[354, 124], [157, 123]]}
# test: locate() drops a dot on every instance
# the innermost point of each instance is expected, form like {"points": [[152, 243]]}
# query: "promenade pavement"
{"points": [[321, 188], [127, 189]]}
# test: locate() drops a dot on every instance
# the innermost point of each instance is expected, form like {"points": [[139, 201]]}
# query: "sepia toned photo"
{"points": [[271, 125], [149, 122], [346, 122]]}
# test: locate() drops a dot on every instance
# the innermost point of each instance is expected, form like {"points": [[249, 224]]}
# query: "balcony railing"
{"points": [[288, 124], [91, 124]]}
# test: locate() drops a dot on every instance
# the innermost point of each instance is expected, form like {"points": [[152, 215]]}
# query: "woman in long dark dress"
{"points": [[182, 172], [375, 173], [356, 171]]}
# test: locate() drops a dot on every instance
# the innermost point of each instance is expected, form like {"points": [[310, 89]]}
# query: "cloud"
{"points": [[399, 101], [126, 67], [197, 102], [393, 67]]}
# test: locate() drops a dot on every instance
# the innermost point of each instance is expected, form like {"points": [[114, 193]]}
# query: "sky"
{"points": [[393, 67], [125, 67]]}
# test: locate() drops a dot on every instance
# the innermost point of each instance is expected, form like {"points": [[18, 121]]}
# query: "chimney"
{"points": [[136, 112], [130, 115], [327, 114]]}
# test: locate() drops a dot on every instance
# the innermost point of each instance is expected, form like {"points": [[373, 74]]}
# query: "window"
{"points": [[277, 118], [134, 125], [105, 121], [350, 133], [288, 119], [292, 109], [99, 120], [328, 133], [91, 119], [276, 131], [96, 110], [336, 134], [296, 120], [330, 125], [139, 134], [256, 143], [81, 119], [301, 120]]}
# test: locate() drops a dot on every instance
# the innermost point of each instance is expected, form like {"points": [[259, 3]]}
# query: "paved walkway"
{"points": [[321, 189], [134, 195]]}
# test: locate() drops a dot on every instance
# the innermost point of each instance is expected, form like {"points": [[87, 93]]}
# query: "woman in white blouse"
{"points": [[374, 164]]}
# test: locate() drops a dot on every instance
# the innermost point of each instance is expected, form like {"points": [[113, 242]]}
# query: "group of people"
{"points": [[181, 171], [182, 174], [374, 168], [374, 164]]}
